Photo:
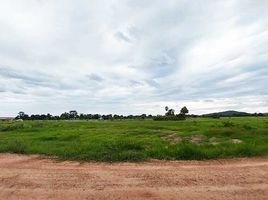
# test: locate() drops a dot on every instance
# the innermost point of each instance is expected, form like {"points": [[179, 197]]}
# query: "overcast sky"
{"points": [[133, 56]]}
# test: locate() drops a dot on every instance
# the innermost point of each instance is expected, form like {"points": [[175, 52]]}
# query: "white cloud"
{"points": [[132, 56]]}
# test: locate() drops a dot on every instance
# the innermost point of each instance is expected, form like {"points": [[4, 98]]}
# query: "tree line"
{"points": [[74, 115]]}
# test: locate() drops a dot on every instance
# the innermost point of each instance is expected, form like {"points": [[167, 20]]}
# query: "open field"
{"points": [[32, 177], [136, 140]]}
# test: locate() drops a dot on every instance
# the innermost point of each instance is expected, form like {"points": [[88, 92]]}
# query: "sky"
{"points": [[133, 56]]}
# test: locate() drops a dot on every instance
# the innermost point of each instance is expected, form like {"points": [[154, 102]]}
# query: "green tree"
{"points": [[170, 112], [73, 114], [184, 110]]}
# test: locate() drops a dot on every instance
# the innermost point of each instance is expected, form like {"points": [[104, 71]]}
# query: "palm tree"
{"points": [[166, 108]]}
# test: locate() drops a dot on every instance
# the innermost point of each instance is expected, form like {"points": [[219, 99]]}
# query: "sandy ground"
{"points": [[33, 177]]}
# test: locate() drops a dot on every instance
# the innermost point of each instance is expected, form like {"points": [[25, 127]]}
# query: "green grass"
{"points": [[136, 140]]}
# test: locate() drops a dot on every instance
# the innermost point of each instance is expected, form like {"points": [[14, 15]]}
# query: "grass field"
{"points": [[135, 140]]}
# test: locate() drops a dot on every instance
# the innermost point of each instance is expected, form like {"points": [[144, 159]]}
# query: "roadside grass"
{"points": [[138, 140]]}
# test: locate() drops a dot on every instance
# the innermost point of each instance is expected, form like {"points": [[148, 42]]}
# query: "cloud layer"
{"points": [[133, 57]]}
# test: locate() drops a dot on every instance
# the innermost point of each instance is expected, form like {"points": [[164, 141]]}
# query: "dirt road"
{"points": [[32, 177]]}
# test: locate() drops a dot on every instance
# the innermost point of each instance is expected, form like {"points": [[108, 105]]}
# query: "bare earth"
{"points": [[33, 177]]}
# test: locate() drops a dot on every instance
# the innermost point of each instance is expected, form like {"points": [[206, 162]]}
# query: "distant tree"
{"points": [[129, 117], [65, 116], [143, 116], [166, 108], [96, 116], [170, 112], [84, 116], [43, 117], [56, 117], [49, 116], [73, 114], [116, 117], [184, 110], [89, 116], [107, 117], [21, 115]]}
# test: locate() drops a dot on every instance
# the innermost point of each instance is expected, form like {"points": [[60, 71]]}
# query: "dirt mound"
{"points": [[32, 177], [213, 140], [172, 137], [195, 139]]}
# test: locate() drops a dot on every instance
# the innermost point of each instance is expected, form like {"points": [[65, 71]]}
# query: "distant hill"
{"points": [[227, 113]]}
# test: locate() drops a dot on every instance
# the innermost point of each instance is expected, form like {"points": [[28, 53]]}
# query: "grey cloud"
{"points": [[122, 37], [135, 83], [10, 73], [33, 79], [134, 32], [152, 83], [209, 100], [129, 35], [27, 79], [95, 77]]}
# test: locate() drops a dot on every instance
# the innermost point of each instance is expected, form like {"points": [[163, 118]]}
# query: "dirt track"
{"points": [[33, 177]]}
